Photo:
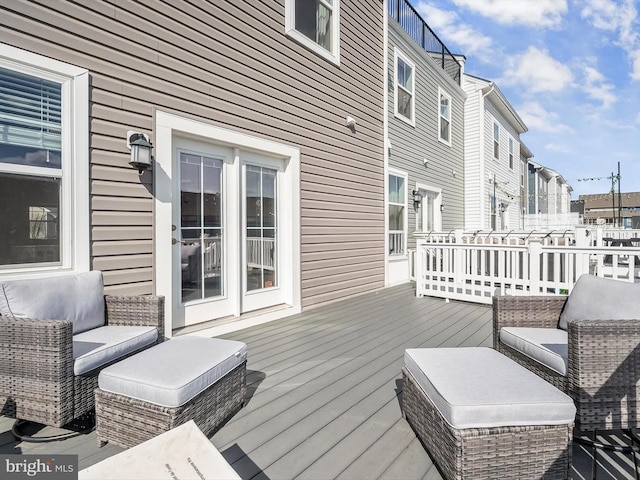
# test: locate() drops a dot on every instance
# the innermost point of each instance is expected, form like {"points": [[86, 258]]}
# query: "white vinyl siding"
{"points": [[316, 25]]}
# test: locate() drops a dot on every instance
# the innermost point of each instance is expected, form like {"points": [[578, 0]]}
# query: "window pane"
{"points": [[313, 19], [405, 75], [30, 219], [190, 191], [404, 103], [396, 189], [30, 120], [396, 217], [444, 107], [444, 129], [212, 184]]}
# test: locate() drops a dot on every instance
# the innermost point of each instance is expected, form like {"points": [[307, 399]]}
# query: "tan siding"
{"points": [[231, 64]]}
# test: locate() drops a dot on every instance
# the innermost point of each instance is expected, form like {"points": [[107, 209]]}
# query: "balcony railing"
{"points": [[474, 266], [412, 23]]}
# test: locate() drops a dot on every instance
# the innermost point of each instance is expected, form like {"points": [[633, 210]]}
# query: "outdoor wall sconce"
{"points": [[503, 208], [441, 207], [140, 147], [350, 122], [417, 199]]}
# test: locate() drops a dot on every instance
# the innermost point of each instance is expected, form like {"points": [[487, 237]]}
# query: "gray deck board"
{"points": [[324, 393]]}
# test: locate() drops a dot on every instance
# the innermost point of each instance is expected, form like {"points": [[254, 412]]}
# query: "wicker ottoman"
{"points": [[186, 378], [480, 415]]}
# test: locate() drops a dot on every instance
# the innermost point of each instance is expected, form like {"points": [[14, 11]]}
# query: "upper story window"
{"points": [[44, 190], [397, 203], [316, 25], [511, 153], [444, 118], [496, 141], [404, 98]]}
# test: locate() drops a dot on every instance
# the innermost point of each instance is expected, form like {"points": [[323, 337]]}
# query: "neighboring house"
{"points": [[549, 202], [492, 154], [525, 156], [425, 136], [610, 209], [262, 197]]}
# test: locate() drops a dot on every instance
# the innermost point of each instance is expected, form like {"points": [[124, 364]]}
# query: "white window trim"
{"points": [[405, 231], [442, 93], [74, 206], [396, 55], [289, 21], [493, 143]]}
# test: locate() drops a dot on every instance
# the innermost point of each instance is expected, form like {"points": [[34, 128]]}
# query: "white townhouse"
{"points": [[493, 177]]}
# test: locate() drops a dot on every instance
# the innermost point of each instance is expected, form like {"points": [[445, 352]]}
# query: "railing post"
{"points": [[535, 260], [580, 236], [419, 266], [458, 255]]}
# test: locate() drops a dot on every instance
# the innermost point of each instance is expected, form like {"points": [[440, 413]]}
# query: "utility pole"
{"points": [[619, 198], [615, 179]]}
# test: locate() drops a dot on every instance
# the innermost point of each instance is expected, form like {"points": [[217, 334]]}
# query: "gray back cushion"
{"points": [[78, 297], [597, 298]]}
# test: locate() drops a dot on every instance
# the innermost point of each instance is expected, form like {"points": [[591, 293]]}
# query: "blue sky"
{"points": [[570, 68]]}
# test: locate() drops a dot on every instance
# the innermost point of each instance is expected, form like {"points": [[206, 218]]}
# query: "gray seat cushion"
{"points": [[102, 345], [481, 388], [172, 373], [77, 297], [596, 298], [545, 345]]}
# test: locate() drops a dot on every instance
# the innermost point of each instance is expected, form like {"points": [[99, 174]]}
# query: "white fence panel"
{"points": [[474, 267]]}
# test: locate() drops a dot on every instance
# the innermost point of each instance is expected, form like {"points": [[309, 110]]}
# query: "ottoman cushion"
{"points": [[172, 373], [481, 388]]}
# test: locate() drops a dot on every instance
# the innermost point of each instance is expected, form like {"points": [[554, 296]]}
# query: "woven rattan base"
{"points": [[486, 453], [126, 421]]}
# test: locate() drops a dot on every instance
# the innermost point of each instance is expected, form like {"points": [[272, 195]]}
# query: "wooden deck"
{"points": [[324, 390]]}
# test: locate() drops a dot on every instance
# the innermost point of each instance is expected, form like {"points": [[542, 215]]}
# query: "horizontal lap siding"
{"points": [[230, 64], [410, 145]]}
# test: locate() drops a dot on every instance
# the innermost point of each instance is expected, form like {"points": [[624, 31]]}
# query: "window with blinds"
{"points": [[30, 120], [30, 169]]}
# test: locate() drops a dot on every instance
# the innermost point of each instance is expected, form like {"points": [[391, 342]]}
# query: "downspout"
{"points": [[385, 140], [482, 156]]}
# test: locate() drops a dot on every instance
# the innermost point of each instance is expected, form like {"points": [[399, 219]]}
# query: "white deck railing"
{"points": [[474, 266]]}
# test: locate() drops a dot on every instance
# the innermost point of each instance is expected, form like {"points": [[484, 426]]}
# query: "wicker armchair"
{"points": [[37, 380], [603, 363]]}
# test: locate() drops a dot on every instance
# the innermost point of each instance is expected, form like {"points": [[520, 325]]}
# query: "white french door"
{"points": [[227, 223], [226, 233]]}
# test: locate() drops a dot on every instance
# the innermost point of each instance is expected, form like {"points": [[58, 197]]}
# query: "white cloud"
{"points": [[447, 24], [535, 13], [537, 71], [619, 17], [635, 62], [596, 87], [554, 147], [537, 118]]}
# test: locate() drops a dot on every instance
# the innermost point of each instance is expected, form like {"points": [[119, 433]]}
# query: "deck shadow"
{"points": [[244, 466]]}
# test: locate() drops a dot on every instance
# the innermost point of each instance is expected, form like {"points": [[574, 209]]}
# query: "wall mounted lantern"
{"points": [[140, 146], [441, 207], [417, 199]]}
